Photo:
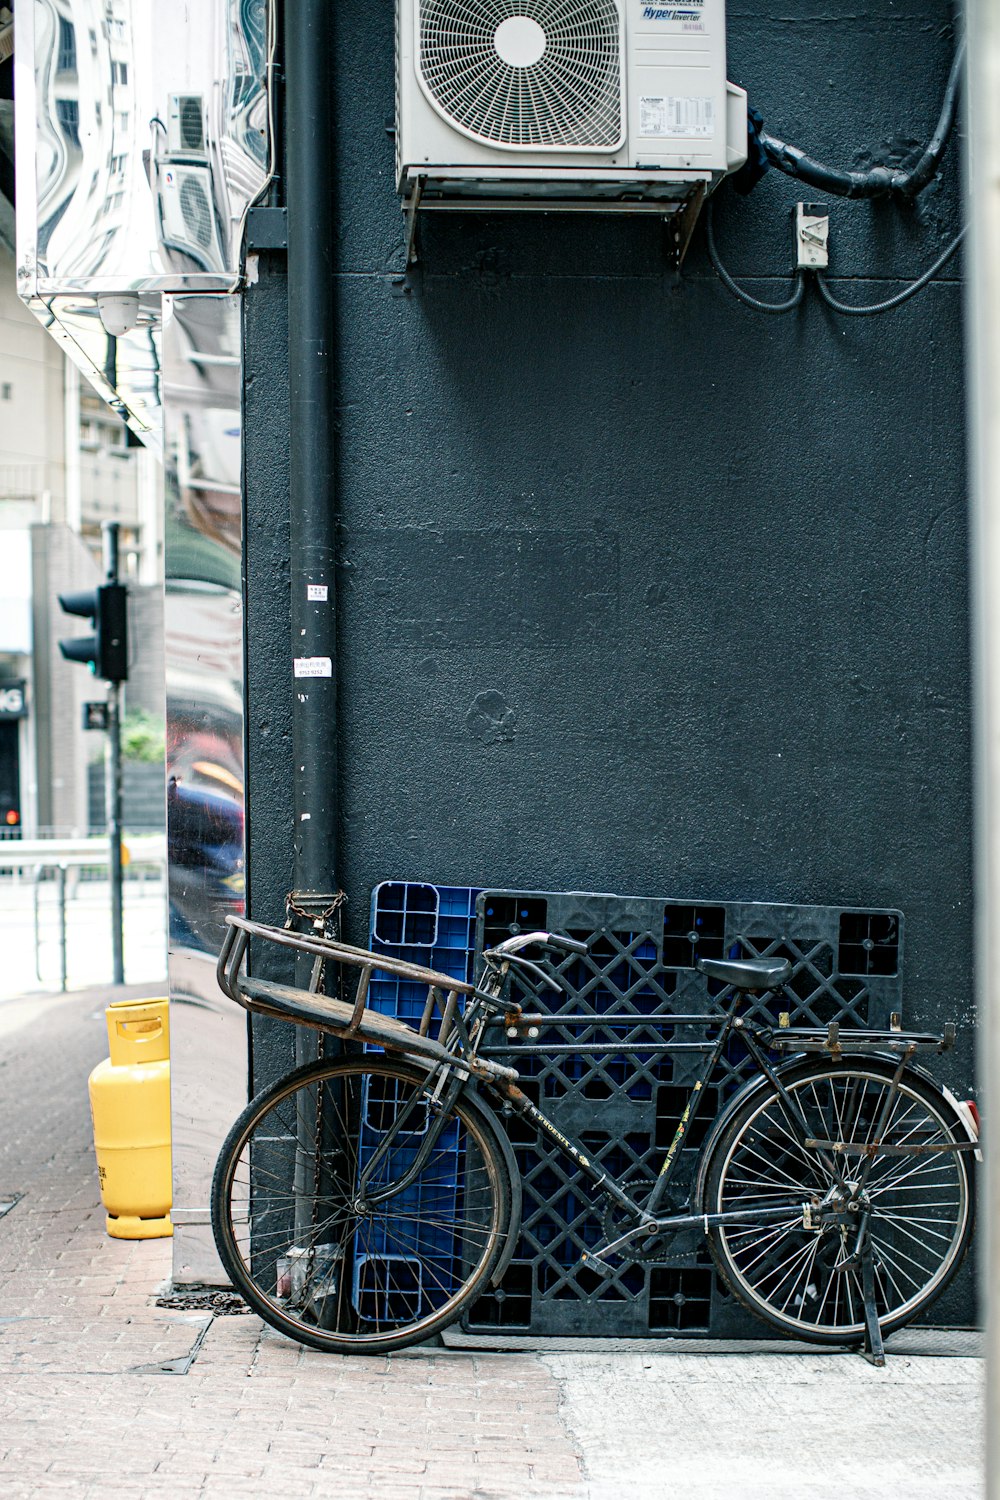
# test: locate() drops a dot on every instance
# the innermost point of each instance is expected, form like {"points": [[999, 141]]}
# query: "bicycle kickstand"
{"points": [[863, 1257], [874, 1350]]}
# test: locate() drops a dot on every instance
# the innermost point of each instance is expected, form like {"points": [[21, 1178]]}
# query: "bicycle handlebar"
{"points": [[568, 944], [546, 939]]}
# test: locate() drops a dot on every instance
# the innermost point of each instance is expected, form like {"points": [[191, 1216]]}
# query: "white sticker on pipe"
{"points": [[313, 666], [318, 591]]}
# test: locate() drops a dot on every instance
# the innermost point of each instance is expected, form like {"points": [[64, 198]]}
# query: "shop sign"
{"points": [[13, 704]]}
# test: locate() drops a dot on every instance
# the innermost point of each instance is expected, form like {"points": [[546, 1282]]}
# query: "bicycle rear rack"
{"points": [[311, 1008], [835, 1040]]}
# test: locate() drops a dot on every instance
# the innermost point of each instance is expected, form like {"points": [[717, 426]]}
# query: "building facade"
{"points": [[638, 588]]}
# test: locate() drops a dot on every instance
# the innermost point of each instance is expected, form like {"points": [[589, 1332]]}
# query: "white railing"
{"points": [[64, 857], [26, 854]]}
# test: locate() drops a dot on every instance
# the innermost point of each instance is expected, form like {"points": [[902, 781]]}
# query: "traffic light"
{"points": [[106, 651]]}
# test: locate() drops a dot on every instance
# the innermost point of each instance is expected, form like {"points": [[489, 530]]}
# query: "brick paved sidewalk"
{"points": [[102, 1391]]}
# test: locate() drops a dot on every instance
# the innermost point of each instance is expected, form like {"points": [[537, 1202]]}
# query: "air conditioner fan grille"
{"points": [[196, 210], [192, 138], [569, 95]]}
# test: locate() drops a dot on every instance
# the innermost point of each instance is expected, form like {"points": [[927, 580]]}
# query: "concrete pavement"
{"points": [[103, 1391]]}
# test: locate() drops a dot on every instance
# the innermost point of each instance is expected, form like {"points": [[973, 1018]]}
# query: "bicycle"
{"points": [[364, 1201]]}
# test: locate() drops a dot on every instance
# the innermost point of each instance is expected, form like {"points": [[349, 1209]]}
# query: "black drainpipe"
{"points": [[308, 165]]}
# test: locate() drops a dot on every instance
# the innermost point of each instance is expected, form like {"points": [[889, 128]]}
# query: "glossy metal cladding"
{"points": [[203, 617], [142, 138], [202, 376], [146, 124]]}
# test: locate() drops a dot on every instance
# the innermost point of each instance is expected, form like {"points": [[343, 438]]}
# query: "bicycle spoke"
{"points": [[902, 1227], [771, 1167], [320, 1261], [754, 1241], [803, 1278], [800, 1278]]}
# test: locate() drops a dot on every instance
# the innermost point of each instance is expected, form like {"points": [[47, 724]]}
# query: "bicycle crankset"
{"points": [[645, 1250]]}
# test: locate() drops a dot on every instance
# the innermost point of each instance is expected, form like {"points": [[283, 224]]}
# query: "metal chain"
{"points": [[325, 926], [323, 923], [319, 919]]}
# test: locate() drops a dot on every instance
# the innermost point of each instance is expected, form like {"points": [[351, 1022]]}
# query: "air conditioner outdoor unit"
{"points": [[596, 104], [186, 125], [187, 216]]}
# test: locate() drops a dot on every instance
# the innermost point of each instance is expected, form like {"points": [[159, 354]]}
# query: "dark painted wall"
{"points": [[641, 591]]}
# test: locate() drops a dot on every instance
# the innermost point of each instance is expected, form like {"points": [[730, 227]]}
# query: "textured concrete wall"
{"points": [[642, 591]]}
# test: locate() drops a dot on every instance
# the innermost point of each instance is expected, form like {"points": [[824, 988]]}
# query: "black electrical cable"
{"points": [[877, 181], [737, 291], [852, 310]]}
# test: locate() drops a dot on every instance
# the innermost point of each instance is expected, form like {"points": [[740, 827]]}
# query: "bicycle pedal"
{"points": [[594, 1263]]}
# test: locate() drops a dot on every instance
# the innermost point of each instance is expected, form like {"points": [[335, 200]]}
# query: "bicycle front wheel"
{"points": [[799, 1276], [338, 1226]]}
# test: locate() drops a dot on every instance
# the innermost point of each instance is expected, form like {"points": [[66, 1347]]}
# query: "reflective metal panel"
{"points": [[125, 370], [142, 138], [201, 378]]}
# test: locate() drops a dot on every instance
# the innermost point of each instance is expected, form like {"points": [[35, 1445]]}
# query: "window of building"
{"points": [[67, 47], [6, 391], [119, 72], [68, 115]]}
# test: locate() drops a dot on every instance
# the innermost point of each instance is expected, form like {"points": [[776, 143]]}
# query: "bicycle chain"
{"points": [[614, 1222]]}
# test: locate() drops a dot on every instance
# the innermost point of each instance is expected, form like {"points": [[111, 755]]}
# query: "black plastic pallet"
{"points": [[597, 1082]]}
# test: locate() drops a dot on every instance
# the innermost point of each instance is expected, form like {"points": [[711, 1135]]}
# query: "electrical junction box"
{"points": [[812, 236], [573, 104]]}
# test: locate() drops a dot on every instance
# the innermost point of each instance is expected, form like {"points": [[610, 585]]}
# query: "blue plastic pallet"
{"points": [[434, 926], [624, 1104], [404, 1266], [422, 924]]}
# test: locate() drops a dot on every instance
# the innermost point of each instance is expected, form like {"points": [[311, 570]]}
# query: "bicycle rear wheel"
{"points": [[304, 1233], [921, 1206]]}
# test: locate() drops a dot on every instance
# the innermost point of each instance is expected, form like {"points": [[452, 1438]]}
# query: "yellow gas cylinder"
{"points": [[130, 1107]]}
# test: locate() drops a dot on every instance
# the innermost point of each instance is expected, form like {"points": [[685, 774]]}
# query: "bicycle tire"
{"points": [[922, 1206], [338, 1276]]}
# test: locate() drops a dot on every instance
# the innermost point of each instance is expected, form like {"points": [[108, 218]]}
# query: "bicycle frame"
{"points": [[648, 1219], [756, 1039], [462, 1034]]}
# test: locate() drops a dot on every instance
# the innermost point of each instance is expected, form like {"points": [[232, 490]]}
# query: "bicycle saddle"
{"points": [[746, 973]]}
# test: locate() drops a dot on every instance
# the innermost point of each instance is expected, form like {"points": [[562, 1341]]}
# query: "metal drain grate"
{"points": [[221, 1304]]}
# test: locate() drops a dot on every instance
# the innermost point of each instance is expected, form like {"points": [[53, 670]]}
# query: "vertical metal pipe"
{"points": [[309, 175], [113, 808], [71, 444], [113, 779], [36, 882], [983, 323], [61, 876]]}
